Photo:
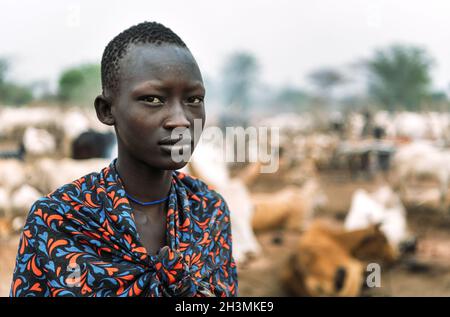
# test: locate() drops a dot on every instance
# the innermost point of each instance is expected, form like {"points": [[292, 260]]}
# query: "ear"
{"points": [[365, 240], [103, 109], [378, 225]]}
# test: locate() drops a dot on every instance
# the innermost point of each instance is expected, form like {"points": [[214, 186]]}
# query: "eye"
{"points": [[195, 101], [153, 100]]}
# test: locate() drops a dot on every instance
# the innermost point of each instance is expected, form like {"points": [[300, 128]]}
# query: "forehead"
{"points": [[167, 62]]}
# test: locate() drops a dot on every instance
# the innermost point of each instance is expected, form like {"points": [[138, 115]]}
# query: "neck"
{"points": [[141, 181]]}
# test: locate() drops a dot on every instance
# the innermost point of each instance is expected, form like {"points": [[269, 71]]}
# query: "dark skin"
{"points": [[160, 89]]}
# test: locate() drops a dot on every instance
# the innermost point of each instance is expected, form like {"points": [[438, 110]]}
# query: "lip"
{"points": [[175, 145], [175, 148], [177, 141]]}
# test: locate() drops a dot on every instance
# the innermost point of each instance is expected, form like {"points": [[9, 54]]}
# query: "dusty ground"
{"points": [[429, 276]]}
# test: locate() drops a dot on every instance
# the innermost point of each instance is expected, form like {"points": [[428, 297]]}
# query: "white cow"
{"points": [[5, 205], [48, 174], [423, 159], [12, 173], [39, 142], [22, 199], [382, 206]]}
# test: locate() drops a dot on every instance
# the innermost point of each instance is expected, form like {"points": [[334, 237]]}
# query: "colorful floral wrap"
{"points": [[81, 240]]}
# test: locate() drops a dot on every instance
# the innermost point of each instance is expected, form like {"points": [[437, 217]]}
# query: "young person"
{"points": [[138, 227]]}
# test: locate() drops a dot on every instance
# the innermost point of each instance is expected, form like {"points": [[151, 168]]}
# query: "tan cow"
{"points": [[291, 207]]}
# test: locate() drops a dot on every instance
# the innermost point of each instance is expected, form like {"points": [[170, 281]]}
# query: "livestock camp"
{"points": [[340, 199]]}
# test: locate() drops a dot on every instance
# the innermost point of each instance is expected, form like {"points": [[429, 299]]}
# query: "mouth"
{"points": [[172, 141], [175, 144]]}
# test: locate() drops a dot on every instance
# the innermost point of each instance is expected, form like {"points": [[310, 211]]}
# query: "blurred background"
{"points": [[359, 90]]}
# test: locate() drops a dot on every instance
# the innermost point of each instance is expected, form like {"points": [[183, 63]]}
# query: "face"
{"points": [[160, 94]]}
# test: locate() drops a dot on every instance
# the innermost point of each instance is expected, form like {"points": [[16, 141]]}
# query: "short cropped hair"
{"points": [[146, 32]]}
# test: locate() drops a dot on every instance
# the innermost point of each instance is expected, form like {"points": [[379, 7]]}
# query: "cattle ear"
{"points": [[365, 240], [378, 225], [103, 110]]}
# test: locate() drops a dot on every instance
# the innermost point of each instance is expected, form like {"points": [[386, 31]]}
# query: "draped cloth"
{"points": [[81, 240]]}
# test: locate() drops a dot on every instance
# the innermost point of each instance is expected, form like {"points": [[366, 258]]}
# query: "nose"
{"points": [[339, 278], [409, 246], [176, 118]]}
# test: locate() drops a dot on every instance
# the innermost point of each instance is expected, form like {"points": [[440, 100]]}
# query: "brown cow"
{"points": [[329, 261]]}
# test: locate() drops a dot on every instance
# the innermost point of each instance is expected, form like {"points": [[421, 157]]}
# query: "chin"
{"points": [[166, 163], [175, 166]]}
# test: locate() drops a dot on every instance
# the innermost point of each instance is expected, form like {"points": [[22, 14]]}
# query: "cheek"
{"points": [[196, 112], [136, 127]]}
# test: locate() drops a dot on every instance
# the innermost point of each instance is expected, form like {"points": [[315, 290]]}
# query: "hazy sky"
{"points": [[290, 38]]}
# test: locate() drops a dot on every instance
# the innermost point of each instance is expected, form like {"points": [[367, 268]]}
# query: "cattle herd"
{"points": [[391, 167]]}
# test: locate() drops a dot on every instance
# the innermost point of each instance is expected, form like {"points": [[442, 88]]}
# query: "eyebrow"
{"points": [[197, 85], [153, 83], [157, 84]]}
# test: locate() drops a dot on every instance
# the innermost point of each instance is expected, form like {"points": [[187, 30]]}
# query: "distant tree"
{"points": [[12, 93], [240, 74], [325, 80], [239, 81], [80, 84], [3, 68], [292, 98], [399, 76]]}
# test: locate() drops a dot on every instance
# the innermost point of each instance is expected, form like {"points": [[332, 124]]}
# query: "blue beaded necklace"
{"points": [[149, 203]]}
